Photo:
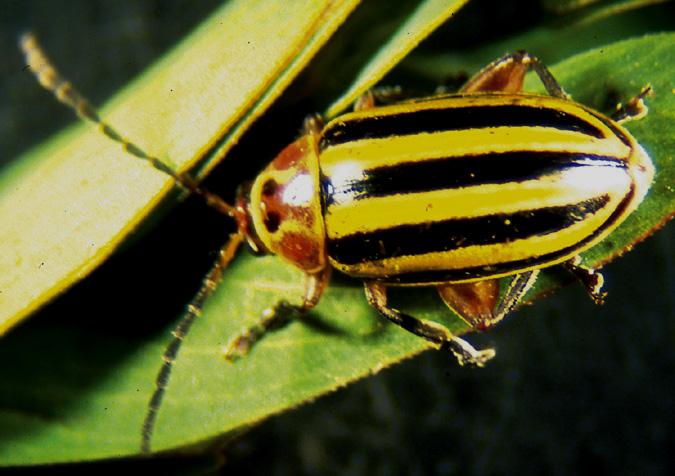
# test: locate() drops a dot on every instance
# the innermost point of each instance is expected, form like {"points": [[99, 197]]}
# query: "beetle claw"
{"points": [[466, 354]]}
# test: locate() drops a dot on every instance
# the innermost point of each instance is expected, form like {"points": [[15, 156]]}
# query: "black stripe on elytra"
{"points": [[419, 239], [450, 275], [457, 172], [455, 118], [614, 128]]}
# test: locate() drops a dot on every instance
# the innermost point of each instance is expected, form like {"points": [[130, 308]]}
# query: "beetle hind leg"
{"points": [[376, 293], [479, 303]]}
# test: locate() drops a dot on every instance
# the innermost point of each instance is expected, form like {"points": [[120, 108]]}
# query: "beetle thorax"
{"points": [[284, 208]]}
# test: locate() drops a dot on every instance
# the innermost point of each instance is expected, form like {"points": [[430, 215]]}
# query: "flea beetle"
{"points": [[452, 191]]}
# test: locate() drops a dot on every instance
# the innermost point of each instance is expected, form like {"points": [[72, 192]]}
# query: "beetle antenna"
{"points": [[50, 79], [48, 76], [193, 311]]}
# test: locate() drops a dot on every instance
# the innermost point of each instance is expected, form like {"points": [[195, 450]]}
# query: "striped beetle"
{"points": [[451, 191]]}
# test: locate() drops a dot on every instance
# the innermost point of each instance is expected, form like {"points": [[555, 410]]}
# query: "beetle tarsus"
{"points": [[466, 354], [313, 125], [591, 279], [633, 109]]}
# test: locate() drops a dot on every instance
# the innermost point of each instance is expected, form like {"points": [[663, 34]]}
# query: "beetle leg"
{"points": [[519, 285], [376, 293], [277, 316], [380, 95], [315, 285], [478, 303], [590, 278], [507, 73], [634, 109]]}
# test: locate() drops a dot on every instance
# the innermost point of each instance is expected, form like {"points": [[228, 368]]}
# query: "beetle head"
{"points": [[280, 212]]}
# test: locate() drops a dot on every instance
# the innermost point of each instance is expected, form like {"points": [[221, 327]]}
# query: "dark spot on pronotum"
{"points": [[269, 188], [272, 221]]}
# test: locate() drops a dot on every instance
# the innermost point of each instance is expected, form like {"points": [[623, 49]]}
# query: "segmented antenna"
{"points": [[63, 90], [51, 80], [209, 283]]}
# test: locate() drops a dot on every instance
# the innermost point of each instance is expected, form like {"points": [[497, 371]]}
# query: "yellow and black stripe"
{"points": [[469, 187]]}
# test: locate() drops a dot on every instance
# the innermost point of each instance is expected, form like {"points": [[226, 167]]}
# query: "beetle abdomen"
{"points": [[469, 187]]}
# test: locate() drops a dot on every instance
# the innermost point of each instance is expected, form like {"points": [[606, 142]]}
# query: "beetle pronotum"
{"points": [[450, 191]]}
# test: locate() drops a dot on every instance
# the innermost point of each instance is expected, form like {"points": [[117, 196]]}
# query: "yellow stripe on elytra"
{"points": [[566, 187], [391, 151], [486, 255]]}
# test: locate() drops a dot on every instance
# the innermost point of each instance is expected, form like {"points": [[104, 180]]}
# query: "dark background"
{"points": [[574, 389]]}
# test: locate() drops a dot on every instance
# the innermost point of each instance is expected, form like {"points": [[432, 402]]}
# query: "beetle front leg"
{"points": [[277, 316], [376, 293]]}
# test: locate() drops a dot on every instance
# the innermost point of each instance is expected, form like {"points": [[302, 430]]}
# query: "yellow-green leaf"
{"points": [[66, 206]]}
